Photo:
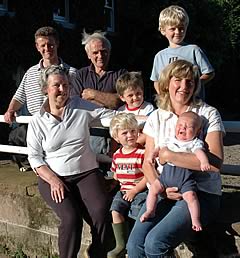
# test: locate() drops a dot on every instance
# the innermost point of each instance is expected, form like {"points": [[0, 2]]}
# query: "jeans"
{"points": [[157, 237], [126, 208]]}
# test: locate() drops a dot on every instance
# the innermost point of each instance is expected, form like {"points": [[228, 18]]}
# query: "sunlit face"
{"points": [[127, 137], [47, 47], [133, 97], [181, 90], [57, 89], [99, 54], [174, 34], [186, 128]]}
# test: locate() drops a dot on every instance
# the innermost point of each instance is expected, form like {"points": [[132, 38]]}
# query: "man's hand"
{"points": [[89, 94], [10, 116]]}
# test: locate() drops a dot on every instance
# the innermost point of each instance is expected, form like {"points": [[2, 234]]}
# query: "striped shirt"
{"points": [[128, 167], [29, 90]]}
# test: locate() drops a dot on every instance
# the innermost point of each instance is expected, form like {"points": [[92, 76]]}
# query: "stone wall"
{"points": [[26, 221]]}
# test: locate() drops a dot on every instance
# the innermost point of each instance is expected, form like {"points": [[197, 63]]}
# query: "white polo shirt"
{"points": [[64, 145]]}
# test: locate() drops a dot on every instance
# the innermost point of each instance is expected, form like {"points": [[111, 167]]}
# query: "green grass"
{"points": [[19, 253]]}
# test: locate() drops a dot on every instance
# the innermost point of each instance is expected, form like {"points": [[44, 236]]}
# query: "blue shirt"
{"points": [[188, 52]]}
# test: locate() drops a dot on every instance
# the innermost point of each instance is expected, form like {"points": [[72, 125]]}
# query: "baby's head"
{"points": [[173, 16], [188, 126], [130, 89], [124, 129]]}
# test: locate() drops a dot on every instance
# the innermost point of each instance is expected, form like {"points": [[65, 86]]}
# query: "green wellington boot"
{"points": [[120, 231]]}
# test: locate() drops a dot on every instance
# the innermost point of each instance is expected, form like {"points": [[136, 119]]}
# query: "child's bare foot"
{"points": [[146, 215], [205, 167], [197, 227]]}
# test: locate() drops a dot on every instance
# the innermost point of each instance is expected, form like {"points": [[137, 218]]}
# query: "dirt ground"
{"points": [[232, 157]]}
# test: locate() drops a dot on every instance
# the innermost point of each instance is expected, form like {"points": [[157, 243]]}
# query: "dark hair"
{"points": [[47, 32], [127, 80]]}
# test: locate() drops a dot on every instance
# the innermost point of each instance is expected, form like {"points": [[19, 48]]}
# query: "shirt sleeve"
{"points": [[150, 126], [113, 166], [202, 61], [149, 109], [34, 144], [212, 120], [158, 65], [197, 144], [75, 86], [20, 94], [76, 82]]}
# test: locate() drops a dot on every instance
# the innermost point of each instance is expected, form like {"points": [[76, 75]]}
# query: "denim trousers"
{"points": [[126, 208], [157, 237]]}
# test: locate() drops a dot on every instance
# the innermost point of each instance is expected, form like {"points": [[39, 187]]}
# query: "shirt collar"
{"points": [[132, 109], [91, 68], [40, 64], [169, 114]]}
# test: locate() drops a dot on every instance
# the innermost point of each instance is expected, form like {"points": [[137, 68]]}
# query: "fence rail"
{"points": [[230, 127]]}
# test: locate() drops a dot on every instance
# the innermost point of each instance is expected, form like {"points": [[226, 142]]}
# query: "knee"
{"points": [[135, 245], [155, 245], [71, 219], [131, 244], [100, 213]]}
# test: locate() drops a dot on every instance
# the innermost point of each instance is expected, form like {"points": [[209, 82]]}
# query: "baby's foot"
{"points": [[197, 227]]}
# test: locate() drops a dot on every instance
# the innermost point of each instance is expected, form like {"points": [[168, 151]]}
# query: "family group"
{"points": [[165, 157]]}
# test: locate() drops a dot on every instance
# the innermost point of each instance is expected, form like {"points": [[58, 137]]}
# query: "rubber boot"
{"points": [[120, 231]]}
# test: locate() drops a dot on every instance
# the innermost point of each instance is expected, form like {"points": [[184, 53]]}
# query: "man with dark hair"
{"points": [[29, 92]]}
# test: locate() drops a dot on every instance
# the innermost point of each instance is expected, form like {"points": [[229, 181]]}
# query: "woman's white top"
{"points": [[161, 125], [64, 145]]}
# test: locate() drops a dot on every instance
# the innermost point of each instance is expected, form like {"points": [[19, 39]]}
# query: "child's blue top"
{"points": [[191, 53]]}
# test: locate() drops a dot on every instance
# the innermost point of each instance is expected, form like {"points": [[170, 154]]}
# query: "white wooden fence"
{"points": [[230, 127]]}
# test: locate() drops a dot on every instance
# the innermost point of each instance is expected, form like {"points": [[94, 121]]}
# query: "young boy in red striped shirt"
{"points": [[127, 168]]}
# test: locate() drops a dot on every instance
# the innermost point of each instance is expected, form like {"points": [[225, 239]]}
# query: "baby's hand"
{"points": [[129, 195], [146, 215], [205, 166]]}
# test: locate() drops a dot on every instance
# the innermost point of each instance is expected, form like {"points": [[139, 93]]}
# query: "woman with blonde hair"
{"points": [[157, 237]]}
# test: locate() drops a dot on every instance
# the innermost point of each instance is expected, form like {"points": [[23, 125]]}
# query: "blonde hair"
{"points": [[122, 121], [173, 15], [127, 80], [180, 69]]}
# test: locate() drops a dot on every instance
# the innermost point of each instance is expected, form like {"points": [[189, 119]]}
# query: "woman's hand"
{"points": [[173, 194], [163, 155], [57, 189], [151, 158], [56, 184]]}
